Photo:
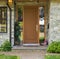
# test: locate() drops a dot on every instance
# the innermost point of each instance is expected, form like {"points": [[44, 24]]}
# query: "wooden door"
{"points": [[31, 25]]}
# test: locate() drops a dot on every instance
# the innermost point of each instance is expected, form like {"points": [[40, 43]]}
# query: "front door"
{"points": [[31, 25]]}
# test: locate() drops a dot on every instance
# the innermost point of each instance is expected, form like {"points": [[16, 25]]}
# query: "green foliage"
{"points": [[52, 57], [54, 47], [6, 46], [17, 32], [17, 29], [8, 57], [19, 11], [41, 39]]}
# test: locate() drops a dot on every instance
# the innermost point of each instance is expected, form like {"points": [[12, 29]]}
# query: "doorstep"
{"points": [[29, 47]]}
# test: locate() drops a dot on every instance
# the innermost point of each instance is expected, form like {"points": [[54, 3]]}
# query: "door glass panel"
{"points": [[42, 25]]}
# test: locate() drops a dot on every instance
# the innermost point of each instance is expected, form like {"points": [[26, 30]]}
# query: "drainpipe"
{"points": [[10, 19]]}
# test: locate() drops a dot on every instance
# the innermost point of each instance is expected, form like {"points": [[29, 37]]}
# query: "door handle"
{"points": [[36, 27]]}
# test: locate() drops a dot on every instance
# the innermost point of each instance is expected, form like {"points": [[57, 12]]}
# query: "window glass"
{"points": [[3, 19]]}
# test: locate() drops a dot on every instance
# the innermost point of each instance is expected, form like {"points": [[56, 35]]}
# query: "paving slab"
{"points": [[27, 54]]}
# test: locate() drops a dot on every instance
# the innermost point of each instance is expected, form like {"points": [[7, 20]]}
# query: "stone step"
{"points": [[29, 48]]}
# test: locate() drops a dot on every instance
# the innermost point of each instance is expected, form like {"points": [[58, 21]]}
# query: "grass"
{"points": [[8, 57], [52, 57]]}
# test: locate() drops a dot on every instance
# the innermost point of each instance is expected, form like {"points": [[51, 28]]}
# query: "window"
{"points": [[3, 19]]}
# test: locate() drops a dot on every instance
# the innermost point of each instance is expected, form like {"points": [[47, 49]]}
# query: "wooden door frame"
{"points": [[38, 22]]}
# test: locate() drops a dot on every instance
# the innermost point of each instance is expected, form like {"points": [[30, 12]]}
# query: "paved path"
{"points": [[27, 54]]}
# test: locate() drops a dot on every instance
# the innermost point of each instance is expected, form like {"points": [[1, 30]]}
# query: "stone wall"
{"points": [[5, 36], [54, 21]]}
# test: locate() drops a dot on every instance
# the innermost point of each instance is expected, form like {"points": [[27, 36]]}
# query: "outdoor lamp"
{"points": [[10, 2]]}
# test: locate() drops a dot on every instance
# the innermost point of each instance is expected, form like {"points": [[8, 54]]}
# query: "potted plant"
{"points": [[41, 40]]}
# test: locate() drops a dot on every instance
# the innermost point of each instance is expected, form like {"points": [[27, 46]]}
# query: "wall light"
{"points": [[10, 1]]}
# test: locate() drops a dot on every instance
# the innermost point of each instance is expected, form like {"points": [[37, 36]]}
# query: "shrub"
{"points": [[52, 56], [54, 47], [41, 39], [17, 33], [6, 46]]}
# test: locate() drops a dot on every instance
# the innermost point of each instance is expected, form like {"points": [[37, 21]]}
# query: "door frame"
{"points": [[38, 23]]}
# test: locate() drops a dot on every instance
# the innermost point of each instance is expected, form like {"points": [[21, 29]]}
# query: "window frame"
{"points": [[6, 18]]}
